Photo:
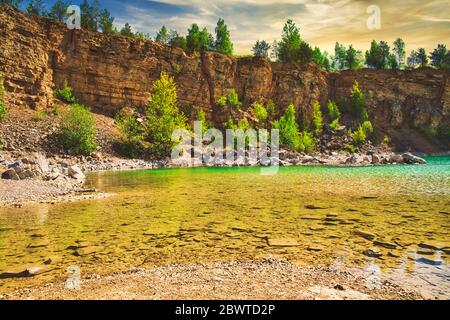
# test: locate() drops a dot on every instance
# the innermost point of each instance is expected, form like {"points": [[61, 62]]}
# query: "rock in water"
{"points": [[409, 158], [364, 234], [282, 242], [385, 244], [372, 253], [396, 158]]}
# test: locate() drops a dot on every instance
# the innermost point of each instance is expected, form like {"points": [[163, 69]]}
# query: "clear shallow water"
{"points": [[222, 214]]}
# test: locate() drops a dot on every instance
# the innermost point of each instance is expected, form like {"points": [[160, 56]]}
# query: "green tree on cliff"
{"points": [[377, 55], [321, 58], [59, 10], [223, 42], [106, 22], [162, 36], [399, 50], [163, 116], [340, 54], [422, 57], [353, 58], [413, 60], [127, 31], [36, 7], [197, 40], [261, 49], [90, 15], [440, 57], [177, 41], [292, 47]]}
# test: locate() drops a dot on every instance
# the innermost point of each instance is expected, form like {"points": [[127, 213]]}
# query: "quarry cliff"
{"points": [[108, 73]]}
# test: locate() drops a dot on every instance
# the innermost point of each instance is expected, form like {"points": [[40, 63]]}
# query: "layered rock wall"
{"points": [[108, 73]]}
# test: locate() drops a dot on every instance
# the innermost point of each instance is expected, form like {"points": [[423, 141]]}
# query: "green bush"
{"points": [[3, 110], [77, 130], [270, 107], [288, 128], [290, 135], [230, 124], [163, 116], [66, 93], [334, 114], [363, 132], [233, 99], [201, 116], [358, 103], [132, 131], [260, 113], [317, 119], [307, 141], [222, 101]]}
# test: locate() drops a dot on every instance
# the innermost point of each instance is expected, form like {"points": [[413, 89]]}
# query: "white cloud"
{"points": [[321, 22]]}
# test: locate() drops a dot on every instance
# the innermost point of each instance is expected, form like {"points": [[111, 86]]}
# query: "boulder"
{"points": [[352, 160], [76, 173], [376, 159], [10, 174], [409, 158], [396, 158], [42, 163]]}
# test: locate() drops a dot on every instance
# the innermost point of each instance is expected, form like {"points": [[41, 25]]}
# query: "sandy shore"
{"points": [[263, 279]]}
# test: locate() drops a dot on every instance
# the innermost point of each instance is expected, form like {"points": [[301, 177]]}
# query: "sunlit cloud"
{"points": [[322, 22]]}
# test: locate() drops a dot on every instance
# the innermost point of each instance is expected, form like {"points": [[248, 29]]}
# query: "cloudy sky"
{"points": [[420, 23]]}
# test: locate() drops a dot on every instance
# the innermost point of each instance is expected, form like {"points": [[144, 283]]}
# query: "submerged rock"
{"points": [[314, 207], [282, 242], [372, 253], [429, 262], [385, 245], [364, 234]]}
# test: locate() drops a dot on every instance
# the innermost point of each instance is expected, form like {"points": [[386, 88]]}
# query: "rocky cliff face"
{"points": [[108, 73]]}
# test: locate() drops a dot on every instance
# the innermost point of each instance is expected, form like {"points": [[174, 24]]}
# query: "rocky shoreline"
{"points": [[33, 178], [265, 278]]}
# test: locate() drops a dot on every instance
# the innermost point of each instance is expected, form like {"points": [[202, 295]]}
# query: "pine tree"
{"points": [[106, 22], [223, 41], [163, 36], [127, 31], [59, 10]]}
